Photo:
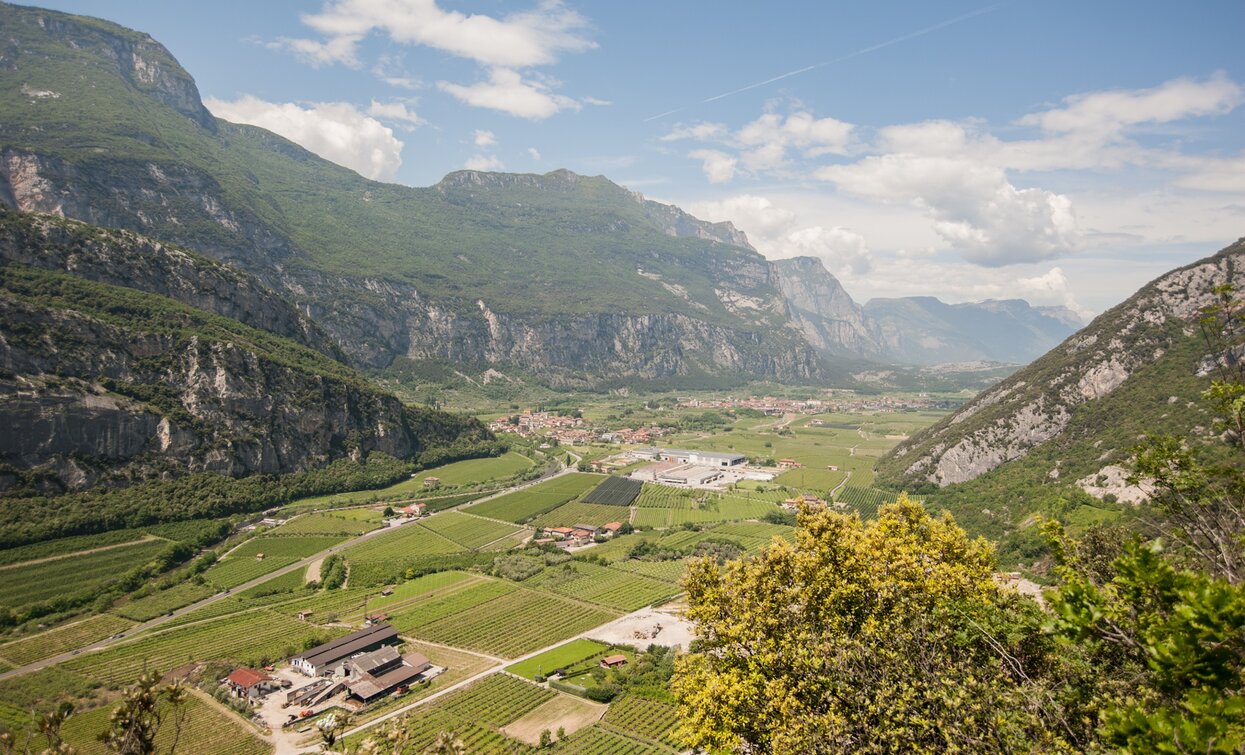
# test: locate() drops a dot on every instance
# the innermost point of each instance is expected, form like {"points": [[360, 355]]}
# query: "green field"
{"points": [[467, 530], [344, 522], [83, 574], [643, 717], [62, 639], [162, 601], [205, 730], [513, 624], [415, 615], [560, 657], [523, 505], [243, 563], [578, 512], [600, 740], [473, 471], [613, 588]]}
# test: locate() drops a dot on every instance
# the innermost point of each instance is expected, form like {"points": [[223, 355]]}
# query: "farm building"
{"points": [[377, 673], [609, 529], [613, 661], [324, 657], [415, 509], [432, 482], [249, 683], [558, 533], [583, 531], [789, 464], [697, 458], [688, 474]]}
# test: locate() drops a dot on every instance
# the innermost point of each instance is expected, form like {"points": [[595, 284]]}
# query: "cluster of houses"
{"points": [[778, 406], [807, 499], [529, 422], [580, 534], [573, 430]]}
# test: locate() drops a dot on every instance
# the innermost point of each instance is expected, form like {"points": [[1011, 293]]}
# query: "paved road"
{"points": [[155, 623]]}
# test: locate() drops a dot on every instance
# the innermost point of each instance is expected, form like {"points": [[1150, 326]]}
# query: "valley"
{"points": [[457, 559]]}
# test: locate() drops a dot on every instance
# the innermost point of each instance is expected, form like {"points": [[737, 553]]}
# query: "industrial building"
{"points": [[695, 458], [323, 658]]}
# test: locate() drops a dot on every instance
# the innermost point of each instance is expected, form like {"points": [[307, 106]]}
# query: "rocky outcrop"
{"points": [[123, 258], [1037, 403], [824, 311]]}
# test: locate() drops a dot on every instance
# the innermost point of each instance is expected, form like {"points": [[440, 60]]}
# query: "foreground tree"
{"points": [[144, 708], [870, 637]]}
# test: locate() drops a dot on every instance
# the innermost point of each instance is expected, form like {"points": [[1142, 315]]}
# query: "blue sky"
{"points": [[1060, 152]]}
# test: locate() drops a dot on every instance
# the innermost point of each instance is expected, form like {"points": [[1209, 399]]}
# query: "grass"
{"points": [[346, 522], [560, 657], [62, 639], [242, 564], [524, 505]]}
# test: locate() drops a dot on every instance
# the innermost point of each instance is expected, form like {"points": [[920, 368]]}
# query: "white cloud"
{"points": [[764, 144], [336, 131], [776, 233], [339, 49], [508, 91], [529, 38], [719, 167], [533, 153], [973, 206], [701, 132], [1225, 174], [395, 112], [483, 162], [484, 138], [1107, 113]]}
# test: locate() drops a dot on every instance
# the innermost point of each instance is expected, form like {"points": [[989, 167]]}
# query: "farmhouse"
{"points": [[324, 657], [558, 533], [613, 661], [382, 671], [249, 683], [789, 464], [415, 509], [609, 529], [583, 531]]}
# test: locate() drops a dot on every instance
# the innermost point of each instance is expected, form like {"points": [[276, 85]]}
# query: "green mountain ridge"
{"points": [[567, 276]]}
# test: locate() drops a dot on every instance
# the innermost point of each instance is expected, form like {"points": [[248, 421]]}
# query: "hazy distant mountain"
{"points": [[919, 330]]}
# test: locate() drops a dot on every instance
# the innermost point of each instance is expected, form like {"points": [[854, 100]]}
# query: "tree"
{"points": [[546, 739], [49, 725], [446, 743], [144, 709], [879, 637]]}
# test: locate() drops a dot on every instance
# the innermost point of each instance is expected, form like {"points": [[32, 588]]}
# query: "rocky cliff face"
{"points": [[824, 311], [1040, 402], [104, 383]]}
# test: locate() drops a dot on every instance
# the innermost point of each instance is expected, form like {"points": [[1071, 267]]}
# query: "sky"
{"points": [[1061, 152]]}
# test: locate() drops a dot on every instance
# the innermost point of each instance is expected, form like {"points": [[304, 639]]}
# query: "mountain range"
{"points": [[566, 277]]}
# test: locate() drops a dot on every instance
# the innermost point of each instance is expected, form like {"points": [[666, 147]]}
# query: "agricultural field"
{"points": [[577, 512], [473, 471], [205, 730], [866, 501], [714, 508], [415, 588], [250, 638], [344, 522], [415, 615], [83, 574], [615, 491], [625, 591], [66, 546], [618, 547], [162, 601], [406, 541], [599, 740], [467, 530], [513, 624], [62, 639], [523, 505], [565, 713], [666, 571], [244, 564], [647, 718], [566, 655]]}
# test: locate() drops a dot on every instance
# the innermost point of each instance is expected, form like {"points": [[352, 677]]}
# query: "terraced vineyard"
{"points": [[647, 718], [345, 522], [245, 639], [615, 491], [625, 591], [514, 624], [419, 614], [598, 740], [467, 530], [62, 639], [524, 505], [205, 730], [161, 602], [497, 700], [577, 512], [866, 501], [81, 574], [243, 563]]}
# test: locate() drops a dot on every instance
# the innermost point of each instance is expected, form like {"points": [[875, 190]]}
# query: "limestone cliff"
{"points": [[1146, 346]]}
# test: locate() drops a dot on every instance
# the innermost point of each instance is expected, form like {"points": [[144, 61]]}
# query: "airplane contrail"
{"points": [[863, 51]]}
